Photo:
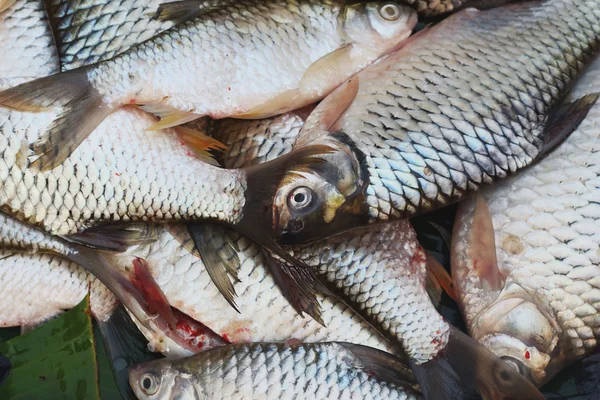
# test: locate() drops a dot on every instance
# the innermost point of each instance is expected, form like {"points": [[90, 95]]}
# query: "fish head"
{"points": [[153, 380], [520, 329], [381, 25], [309, 194]]}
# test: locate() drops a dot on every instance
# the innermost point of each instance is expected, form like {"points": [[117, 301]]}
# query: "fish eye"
{"points": [[517, 365], [300, 198], [504, 371], [389, 12], [149, 384]]}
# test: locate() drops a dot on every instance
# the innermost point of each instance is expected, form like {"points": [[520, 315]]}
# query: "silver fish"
{"points": [[273, 371], [458, 107], [527, 270], [270, 57], [27, 47]]}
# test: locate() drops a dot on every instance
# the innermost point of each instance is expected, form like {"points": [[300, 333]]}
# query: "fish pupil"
{"points": [[299, 197], [147, 383]]}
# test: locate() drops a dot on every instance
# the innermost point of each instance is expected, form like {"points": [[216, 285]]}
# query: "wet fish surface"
{"points": [[269, 57], [270, 371], [460, 106], [533, 296]]}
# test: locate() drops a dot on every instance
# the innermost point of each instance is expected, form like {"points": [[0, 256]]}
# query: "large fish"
{"points": [[460, 106], [527, 270], [250, 59], [274, 371]]}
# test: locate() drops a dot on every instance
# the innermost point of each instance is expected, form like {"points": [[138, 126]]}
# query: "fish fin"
{"points": [[197, 335], [219, 253], [299, 285], [436, 272], [565, 121], [124, 343], [446, 236], [181, 11], [5, 369], [117, 238], [206, 148], [305, 111], [279, 104], [169, 116], [82, 111], [483, 246], [5, 5], [181, 233], [137, 290], [465, 369], [329, 68], [381, 364], [325, 115]]}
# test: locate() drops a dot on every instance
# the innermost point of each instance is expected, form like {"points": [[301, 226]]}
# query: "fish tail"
{"points": [[82, 110], [465, 369], [137, 290]]}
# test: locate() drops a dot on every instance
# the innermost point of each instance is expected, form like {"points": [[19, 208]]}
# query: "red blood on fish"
{"points": [[527, 354]]}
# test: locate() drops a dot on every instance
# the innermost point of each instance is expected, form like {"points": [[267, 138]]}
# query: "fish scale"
{"points": [[89, 31], [26, 46], [546, 222]]}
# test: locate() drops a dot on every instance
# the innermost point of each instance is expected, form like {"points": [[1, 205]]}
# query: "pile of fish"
{"points": [[240, 174]]}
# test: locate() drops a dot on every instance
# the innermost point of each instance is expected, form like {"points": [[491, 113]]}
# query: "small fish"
{"points": [[274, 371], [458, 107], [526, 256], [270, 57]]}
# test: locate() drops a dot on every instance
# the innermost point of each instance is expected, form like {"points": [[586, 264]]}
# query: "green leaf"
{"points": [[54, 361]]}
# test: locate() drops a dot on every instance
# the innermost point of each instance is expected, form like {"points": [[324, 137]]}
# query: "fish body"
{"points": [[536, 300], [27, 47], [256, 58], [458, 107], [266, 371]]}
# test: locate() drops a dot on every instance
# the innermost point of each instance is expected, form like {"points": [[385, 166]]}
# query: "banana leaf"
{"points": [[54, 361]]}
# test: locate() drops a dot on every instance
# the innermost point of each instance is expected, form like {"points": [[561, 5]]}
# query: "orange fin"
{"points": [[169, 116], [205, 147], [483, 246], [439, 277], [290, 100]]}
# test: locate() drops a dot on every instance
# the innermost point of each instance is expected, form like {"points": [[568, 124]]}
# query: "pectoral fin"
{"points": [[115, 237], [206, 148], [219, 253], [169, 116], [286, 101], [483, 246]]}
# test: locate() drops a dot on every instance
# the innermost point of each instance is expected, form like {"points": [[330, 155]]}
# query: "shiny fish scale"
{"points": [[121, 172], [89, 31], [276, 371], [15, 235], [203, 48], [469, 106], [37, 287], [381, 273], [27, 46], [552, 215]]}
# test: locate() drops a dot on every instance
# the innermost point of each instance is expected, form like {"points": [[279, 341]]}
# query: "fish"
{"points": [[526, 255], [433, 8], [331, 41], [27, 47], [458, 107], [273, 371], [132, 284]]}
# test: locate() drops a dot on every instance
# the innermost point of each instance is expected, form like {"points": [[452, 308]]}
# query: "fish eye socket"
{"points": [[389, 12], [504, 371], [149, 384], [300, 198]]}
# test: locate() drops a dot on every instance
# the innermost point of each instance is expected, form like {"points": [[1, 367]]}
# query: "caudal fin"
{"points": [[82, 111], [466, 370]]}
